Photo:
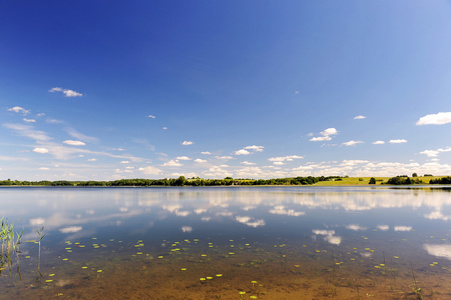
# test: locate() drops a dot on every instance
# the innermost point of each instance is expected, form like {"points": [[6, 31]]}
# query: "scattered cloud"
{"points": [[248, 163], [359, 117], [434, 153], [66, 92], [255, 148], [186, 143], [183, 158], [29, 120], [74, 143], [150, 170], [279, 161], [125, 162], [164, 128], [44, 168], [75, 134], [198, 160], [92, 159], [247, 150], [378, 143], [242, 152], [435, 119], [352, 143], [325, 135], [205, 153], [398, 141], [151, 116], [18, 109], [28, 131], [224, 157], [172, 163], [40, 150]]}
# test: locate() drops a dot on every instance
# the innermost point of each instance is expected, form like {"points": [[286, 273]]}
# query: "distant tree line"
{"points": [[444, 180], [403, 179], [181, 181]]}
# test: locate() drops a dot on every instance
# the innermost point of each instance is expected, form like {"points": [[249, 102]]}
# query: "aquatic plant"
{"points": [[10, 245], [41, 236]]}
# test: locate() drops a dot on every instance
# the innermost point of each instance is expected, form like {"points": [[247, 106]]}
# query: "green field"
{"points": [[365, 180]]}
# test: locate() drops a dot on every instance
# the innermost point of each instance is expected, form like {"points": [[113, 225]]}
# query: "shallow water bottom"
{"points": [[196, 269]]}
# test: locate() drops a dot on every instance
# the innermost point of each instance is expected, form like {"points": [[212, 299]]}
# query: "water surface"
{"points": [[230, 243]]}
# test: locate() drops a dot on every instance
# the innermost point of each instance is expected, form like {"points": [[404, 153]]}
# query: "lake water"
{"points": [[229, 243]]}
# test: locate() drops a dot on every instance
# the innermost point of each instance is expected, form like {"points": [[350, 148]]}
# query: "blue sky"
{"points": [[102, 90]]}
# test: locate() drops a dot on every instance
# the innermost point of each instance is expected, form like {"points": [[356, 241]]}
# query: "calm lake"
{"points": [[229, 243]]}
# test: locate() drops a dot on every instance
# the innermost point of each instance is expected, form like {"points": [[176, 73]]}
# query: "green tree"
{"points": [[372, 180], [414, 175]]}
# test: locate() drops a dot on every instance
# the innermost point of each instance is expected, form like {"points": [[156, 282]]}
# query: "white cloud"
{"points": [[430, 153], [186, 143], [40, 150], [28, 131], [224, 157], [19, 109], [398, 141], [150, 170], [248, 163], [284, 158], [73, 133], [198, 160], [434, 153], [255, 148], [66, 92], [352, 143], [44, 168], [151, 116], [29, 120], [325, 135], [92, 159], [205, 152], [40, 114], [329, 131], [183, 158], [435, 119], [359, 117], [320, 139], [74, 143], [172, 163], [241, 152], [378, 143], [125, 162]]}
